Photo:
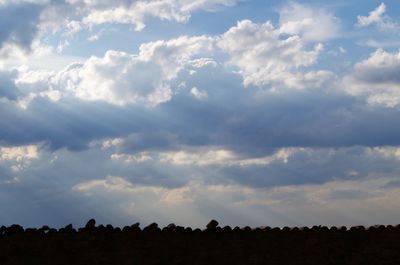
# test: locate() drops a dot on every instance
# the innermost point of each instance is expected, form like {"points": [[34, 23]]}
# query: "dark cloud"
{"points": [[7, 86], [336, 129], [71, 124], [348, 194], [392, 184], [45, 195], [19, 24], [374, 76], [315, 166], [247, 121]]}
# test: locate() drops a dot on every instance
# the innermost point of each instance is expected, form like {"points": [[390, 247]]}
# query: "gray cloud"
{"points": [[248, 121], [8, 88], [90, 184], [123, 138], [21, 24], [376, 78], [381, 67], [316, 166]]}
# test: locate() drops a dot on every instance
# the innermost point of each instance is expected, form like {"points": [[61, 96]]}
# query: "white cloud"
{"points": [[224, 157], [111, 182], [127, 158], [199, 94], [377, 17], [266, 58], [118, 78], [175, 53], [19, 153], [19, 157], [312, 24], [386, 152], [40, 58], [121, 78], [107, 143], [282, 155], [136, 12], [98, 35], [75, 15], [376, 78], [208, 157]]}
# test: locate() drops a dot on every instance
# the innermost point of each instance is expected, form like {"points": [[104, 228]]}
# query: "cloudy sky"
{"points": [[251, 112]]}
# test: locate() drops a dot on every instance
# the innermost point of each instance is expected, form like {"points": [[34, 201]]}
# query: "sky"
{"points": [[250, 112]]}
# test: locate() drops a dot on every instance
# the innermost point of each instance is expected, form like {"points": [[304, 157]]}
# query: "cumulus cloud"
{"points": [[312, 24], [266, 58], [29, 20], [376, 78], [121, 78], [229, 119], [377, 17], [40, 58]]}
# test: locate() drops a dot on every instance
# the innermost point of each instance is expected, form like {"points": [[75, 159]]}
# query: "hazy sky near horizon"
{"points": [[250, 112]]}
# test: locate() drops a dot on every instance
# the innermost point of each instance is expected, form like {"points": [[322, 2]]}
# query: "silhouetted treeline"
{"points": [[174, 244]]}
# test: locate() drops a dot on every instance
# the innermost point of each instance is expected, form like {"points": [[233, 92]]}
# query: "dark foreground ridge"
{"points": [[173, 244]]}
